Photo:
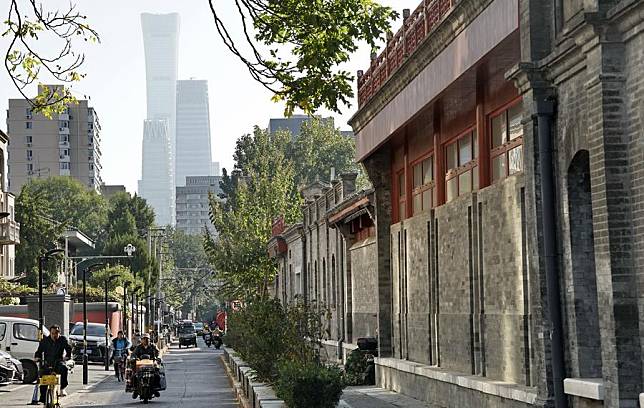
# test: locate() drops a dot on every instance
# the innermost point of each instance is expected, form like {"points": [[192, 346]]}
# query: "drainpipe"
{"points": [[545, 114]]}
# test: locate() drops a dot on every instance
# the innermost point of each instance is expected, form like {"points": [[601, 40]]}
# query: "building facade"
{"points": [[69, 144], [160, 39], [109, 190], [193, 203], [293, 124], [503, 140], [9, 228], [194, 155]]}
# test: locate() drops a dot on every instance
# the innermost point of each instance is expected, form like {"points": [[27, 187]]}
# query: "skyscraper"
{"points": [[160, 38], [194, 156]]}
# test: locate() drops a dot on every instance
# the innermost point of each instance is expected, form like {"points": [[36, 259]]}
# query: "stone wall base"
{"points": [[442, 388]]}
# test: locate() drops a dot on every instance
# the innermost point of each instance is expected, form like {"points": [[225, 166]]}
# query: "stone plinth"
{"points": [[56, 310]]}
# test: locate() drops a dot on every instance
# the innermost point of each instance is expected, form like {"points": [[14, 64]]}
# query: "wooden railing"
{"points": [[416, 27]]}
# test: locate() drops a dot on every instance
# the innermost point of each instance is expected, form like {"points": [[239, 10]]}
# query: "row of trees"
{"points": [[47, 207], [264, 184]]}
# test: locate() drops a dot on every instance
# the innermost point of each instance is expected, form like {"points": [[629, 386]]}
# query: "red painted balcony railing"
{"points": [[416, 27]]}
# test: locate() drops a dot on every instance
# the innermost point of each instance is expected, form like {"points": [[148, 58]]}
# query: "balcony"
{"points": [[63, 116], [9, 232], [64, 158], [416, 28], [65, 172], [63, 130], [63, 143]]}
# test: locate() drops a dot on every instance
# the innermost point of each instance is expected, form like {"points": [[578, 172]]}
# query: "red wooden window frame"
{"points": [[503, 147], [456, 175], [423, 185], [401, 195]]}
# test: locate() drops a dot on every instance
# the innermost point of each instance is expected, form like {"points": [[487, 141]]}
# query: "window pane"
{"points": [[428, 170], [452, 191], [465, 183], [475, 178], [475, 144], [401, 184], [498, 130], [418, 175], [464, 150], [427, 199], [498, 167], [451, 159], [418, 203], [3, 329], [515, 159], [514, 119]]}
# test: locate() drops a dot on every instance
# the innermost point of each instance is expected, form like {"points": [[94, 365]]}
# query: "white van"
{"points": [[19, 337]]}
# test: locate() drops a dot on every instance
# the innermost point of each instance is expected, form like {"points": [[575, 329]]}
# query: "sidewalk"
{"points": [[374, 397]]}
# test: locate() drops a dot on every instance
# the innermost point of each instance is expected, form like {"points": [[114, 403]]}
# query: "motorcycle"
{"points": [[207, 337], [147, 379], [217, 341]]}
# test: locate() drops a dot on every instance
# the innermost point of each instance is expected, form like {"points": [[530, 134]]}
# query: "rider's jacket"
{"points": [[53, 349], [120, 344], [150, 350]]}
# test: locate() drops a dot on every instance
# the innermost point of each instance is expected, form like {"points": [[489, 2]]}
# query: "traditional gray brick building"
{"points": [[499, 258]]}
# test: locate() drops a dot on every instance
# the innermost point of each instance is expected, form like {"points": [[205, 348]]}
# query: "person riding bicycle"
{"points": [[147, 348], [120, 345], [56, 350]]}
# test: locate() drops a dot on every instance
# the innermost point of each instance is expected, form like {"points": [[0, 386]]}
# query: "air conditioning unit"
{"points": [[27, 116]]}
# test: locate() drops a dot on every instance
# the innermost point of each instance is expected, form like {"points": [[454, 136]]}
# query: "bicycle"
{"points": [[52, 382], [120, 356]]}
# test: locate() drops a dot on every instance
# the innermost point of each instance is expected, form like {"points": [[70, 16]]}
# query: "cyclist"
{"points": [[120, 345], [56, 350]]}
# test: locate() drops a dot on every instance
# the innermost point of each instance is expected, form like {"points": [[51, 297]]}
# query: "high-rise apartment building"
{"points": [[65, 145], [160, 38], [294, 123], [194, 155], [193, 205]]}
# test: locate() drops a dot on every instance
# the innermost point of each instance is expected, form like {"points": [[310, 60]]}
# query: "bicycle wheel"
{"points": [[49, 398]]}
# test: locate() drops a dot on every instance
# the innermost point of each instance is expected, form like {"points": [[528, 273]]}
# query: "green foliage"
{"points": [[94, 294], [11, 292], [27, 59], [265, 332], [128, 215], [142, 265], [264, 190], [309, 385], [99, 277], [355, 367], [307, 43], [318, 148]]}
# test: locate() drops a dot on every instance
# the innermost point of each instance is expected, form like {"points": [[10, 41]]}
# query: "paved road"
{"points": [[195, 379]]}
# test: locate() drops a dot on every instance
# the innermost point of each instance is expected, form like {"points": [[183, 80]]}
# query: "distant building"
{"points": [[9, 228], [194, 157], [66, 145], [293, 124], [108, 191], [215, 169], [193, 205], [160, 39]]}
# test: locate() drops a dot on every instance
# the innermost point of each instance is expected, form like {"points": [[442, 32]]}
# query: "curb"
{"points": [[239, 392]]}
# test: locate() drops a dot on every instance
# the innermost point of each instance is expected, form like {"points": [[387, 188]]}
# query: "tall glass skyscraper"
{"points": [[157, 185], [194, 157]]}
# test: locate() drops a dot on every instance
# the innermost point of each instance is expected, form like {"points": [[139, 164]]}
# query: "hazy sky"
{"points": [[116, 79]]}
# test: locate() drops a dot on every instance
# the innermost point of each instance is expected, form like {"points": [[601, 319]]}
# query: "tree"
{"points": [[318, 148], [128, 215], [25, 61], [306, 43], [71, 203], [265, 191]]}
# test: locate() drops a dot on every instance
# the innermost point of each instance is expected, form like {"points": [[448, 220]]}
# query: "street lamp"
{"points": [[125, 321], [85, 362], [41, 266], [107, 356]]}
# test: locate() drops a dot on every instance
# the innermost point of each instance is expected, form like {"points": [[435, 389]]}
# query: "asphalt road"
{"points": [[195, 379]]}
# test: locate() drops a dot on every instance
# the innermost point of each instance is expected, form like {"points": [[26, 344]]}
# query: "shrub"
{"points": [[355, 367], [309, 385]]}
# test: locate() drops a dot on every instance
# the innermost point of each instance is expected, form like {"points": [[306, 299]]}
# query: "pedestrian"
{"points": [[62, 290], [120, 345], [56, 350]]}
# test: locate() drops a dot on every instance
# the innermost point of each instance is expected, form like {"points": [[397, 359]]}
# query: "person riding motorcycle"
{"points": [[120, 345], [216, 335], [53, 347], [146, 348]]}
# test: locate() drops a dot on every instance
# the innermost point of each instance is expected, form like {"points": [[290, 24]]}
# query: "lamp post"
{"points": [[107, 321], [85, 362], [125, 320], [41, 266]]}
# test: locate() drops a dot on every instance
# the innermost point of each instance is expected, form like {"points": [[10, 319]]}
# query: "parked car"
{"points": [[7, 370], [199, 328], [19, 374], [96, 346], [19, 337]]}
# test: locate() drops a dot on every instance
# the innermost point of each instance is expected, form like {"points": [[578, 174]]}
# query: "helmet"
{"points": [[145, 336]]}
